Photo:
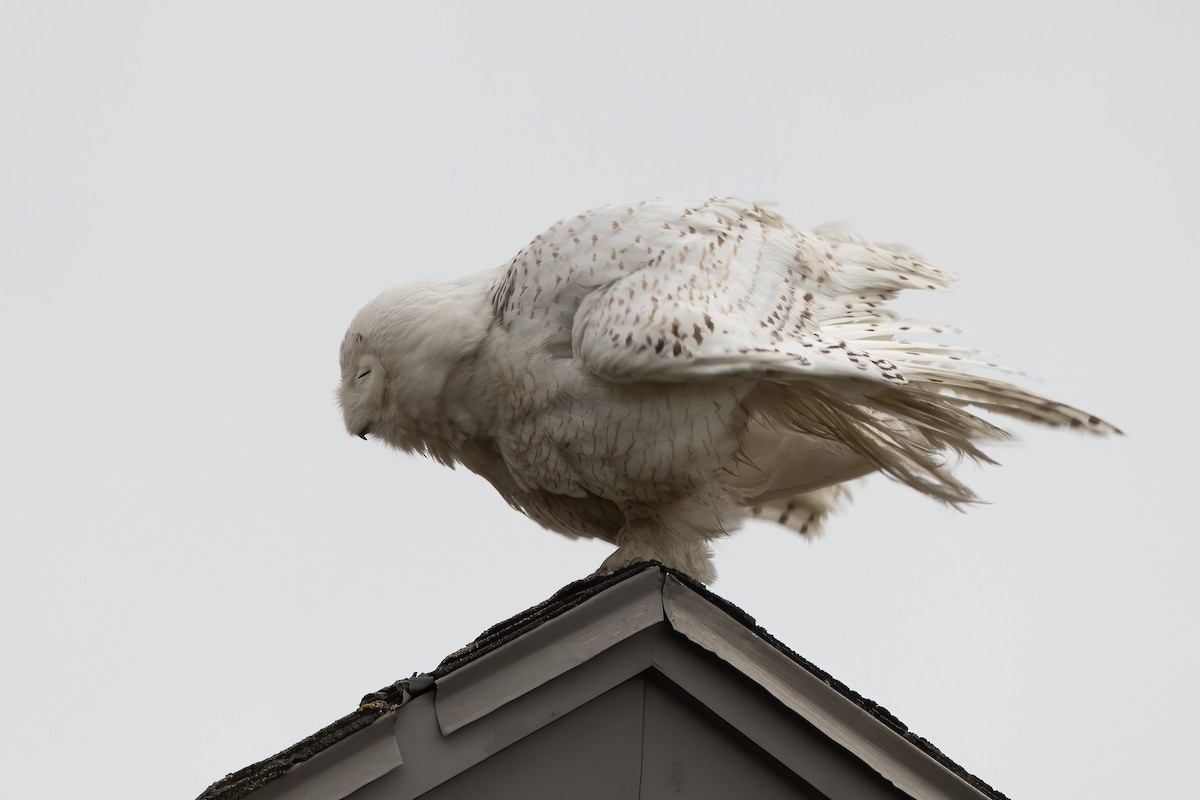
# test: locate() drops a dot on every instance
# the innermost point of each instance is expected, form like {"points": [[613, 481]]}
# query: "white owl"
{"points": [[652, 374]]}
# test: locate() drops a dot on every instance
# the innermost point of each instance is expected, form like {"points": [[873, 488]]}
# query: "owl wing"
{"points": [[727, 290], [730, 290]]}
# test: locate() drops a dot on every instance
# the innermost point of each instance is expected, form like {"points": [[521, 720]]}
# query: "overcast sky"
{"points": [[200, 567]]}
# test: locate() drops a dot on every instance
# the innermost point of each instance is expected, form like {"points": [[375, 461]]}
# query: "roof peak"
{"points": [[588, 617]]}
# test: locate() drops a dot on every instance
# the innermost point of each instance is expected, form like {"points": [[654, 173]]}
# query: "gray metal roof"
{"points": [[602, 630]]}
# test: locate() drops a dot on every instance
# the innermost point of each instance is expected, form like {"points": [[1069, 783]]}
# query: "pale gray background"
{"points": [[200, 567]]}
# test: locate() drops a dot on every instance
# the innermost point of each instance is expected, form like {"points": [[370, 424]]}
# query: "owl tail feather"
{"points": [[804, 513], [903, 435], [909, 431]]}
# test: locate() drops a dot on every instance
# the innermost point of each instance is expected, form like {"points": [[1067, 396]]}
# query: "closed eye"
{"points": [[362, 374]]}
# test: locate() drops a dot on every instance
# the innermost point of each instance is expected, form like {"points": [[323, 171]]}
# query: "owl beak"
{"points": [[363, 433]]}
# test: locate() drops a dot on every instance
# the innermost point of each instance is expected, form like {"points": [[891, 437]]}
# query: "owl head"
{"points": [[397, 357]]}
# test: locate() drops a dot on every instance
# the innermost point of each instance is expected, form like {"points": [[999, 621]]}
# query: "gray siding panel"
{"points": [[690, 752]]}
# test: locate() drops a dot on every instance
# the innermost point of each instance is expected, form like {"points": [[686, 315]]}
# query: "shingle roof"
{"points": [[377, 704]]}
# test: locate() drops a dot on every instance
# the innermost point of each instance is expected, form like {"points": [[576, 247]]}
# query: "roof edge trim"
{"points": [[557, 646], [342, 768], [891, 755]]}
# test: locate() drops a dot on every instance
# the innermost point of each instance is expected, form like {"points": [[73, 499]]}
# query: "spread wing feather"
{"points": [[727, 290]]}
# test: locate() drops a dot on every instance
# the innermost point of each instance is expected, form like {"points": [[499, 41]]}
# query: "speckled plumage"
{"points": [[651, 374]]}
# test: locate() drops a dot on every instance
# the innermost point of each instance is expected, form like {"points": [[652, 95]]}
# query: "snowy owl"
{"points": [[652, 374]]}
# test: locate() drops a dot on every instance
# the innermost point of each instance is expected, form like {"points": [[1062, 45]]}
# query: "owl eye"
{"points": [[362, 374]]}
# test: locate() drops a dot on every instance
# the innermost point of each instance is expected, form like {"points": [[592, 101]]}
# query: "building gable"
{"points": [[635, 685]]}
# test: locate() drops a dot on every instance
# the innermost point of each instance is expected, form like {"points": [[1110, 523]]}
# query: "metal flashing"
{"points": [[432, 758]]}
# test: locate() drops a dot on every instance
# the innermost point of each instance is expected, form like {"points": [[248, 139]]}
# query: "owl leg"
{"points": [[692, 559], [676, 535]]}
